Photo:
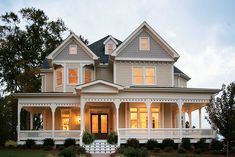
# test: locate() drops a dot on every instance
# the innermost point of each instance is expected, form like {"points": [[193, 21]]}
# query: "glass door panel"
{"points": [[104, 124], [95, 126]]}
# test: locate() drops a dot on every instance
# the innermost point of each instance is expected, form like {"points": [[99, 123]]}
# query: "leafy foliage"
{"points": [[30, 143], [48, 143], [10, 144], [216, 145], [151, 144], [185, 143], [133, 142], [87, 137], [68, 152], [181, 150], [221, 113], [202, 145], [69, 142], [112, 138], [167, 142]]}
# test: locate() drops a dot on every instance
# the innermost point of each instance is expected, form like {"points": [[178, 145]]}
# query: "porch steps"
{"points": [[100, 147]]}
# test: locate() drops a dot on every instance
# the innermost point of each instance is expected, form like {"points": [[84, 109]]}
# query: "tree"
{"points": [[26, 39], [221, 113]]}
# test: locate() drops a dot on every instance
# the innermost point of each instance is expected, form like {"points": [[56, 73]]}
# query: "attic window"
{"points": [[73, 49], [144, 44], [110, 49]]}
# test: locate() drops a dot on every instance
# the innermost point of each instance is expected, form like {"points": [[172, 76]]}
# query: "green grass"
{"points": [[185, 155], [24, 153]]}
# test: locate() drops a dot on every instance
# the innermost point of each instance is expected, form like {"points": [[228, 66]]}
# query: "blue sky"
{"points": [[201, 31]]}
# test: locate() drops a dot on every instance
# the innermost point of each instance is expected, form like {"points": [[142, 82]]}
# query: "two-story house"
{"points": [[130, 87]]}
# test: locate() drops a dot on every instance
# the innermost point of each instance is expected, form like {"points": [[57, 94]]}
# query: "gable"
{"points": [[99, 88], [132, 49], [63, 53]]}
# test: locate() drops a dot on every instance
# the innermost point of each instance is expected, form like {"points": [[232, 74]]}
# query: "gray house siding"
{"points": [[104, 73], [63, 54], [132, 49]]}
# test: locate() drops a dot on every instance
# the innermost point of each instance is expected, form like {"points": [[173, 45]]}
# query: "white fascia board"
{"points": [[102, 82], [143, 59], [110, 38]]}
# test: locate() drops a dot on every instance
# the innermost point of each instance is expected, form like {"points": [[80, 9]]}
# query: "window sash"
{"points": [[73, 49], [59, 77], [144, 44], [143, 75], [73, 75]]}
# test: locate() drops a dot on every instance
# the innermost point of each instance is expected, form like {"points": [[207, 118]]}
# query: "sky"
{"points": [[201, 31]]}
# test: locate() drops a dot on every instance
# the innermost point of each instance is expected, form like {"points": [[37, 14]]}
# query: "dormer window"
{"points": [[110, 45], [144, 44], [73, 49]]}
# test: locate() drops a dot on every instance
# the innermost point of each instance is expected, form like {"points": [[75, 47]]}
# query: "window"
{"points": [[143, 75], [73, 49], [87, 75], [59, 77], [73, 75], [155, 117], [143, 118], [65, 117], [144, 44], [110, 48], [134, 115]]}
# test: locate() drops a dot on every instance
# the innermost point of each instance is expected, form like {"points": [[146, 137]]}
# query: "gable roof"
{"points": [[110, 38], [98, 48], [53, 54], [119, 87], [180, 73], [159, 39]]}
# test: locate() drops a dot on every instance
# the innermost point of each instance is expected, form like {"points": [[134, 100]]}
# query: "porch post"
{"points": [[148, 105], [53, 108], [82, 105], [18, 123], [200, 117], [117, 103], [190, 119], [180, 104], [31, 120]]}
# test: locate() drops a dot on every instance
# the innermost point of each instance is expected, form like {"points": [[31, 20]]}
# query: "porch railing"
{"points": [[42, 134], [161, 133]]}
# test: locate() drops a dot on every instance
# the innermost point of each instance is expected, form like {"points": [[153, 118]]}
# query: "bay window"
{"points": [[73, 75]]}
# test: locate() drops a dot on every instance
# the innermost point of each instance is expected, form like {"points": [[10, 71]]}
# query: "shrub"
{"points": [[30, 143], [216, 145], [10, 144], [88, 137], [167, 142], [48, 143], [168, 149], [112, 138], [68, 152], [81, 150], [120, 150], [69, 142], [143, 152], [151, 144], [202, 145], [157, 150], [197, 151], [133, 142], [185, 143], [181, 150], [135, 152]]}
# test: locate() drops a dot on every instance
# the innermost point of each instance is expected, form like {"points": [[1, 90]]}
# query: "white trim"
{"points": [[73, 61], [81, 73], [43, 82], [155, 34], [143, 74], [110, 38], [114, 72], [140, 48], [64, 77], [143, 59], [172, 73], [56, 85], [87, 50], [102, 82], [75, 46]]}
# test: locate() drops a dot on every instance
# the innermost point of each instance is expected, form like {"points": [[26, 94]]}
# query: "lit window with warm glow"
{"points": [[65, 117], [73, 76], [88, 75], [59, 77], [133, 116], [144, 44], [143, 118], [155, 117], [149, 75], [143, 75], [138, 75]]}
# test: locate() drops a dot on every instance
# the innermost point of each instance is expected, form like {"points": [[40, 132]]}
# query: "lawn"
{"points": [[187, 155], [24, 153]]}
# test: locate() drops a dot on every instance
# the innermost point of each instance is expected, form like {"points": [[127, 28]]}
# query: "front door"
{"points": [[99, 125]]}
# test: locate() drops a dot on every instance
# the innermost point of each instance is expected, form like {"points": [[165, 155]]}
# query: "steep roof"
{"points": [[181, 73], [98, 48]]}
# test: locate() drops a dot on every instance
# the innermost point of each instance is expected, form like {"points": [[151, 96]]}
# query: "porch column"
{"points": [[31, 120], [82, 105], [200, 117], [117, 103], [53, 108], [18, 123], [190, 119], [180, 104], [148, 105]]}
